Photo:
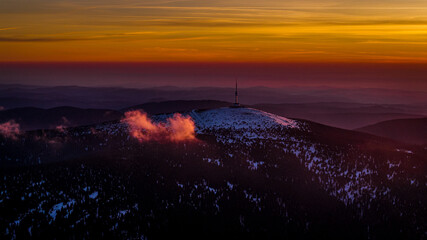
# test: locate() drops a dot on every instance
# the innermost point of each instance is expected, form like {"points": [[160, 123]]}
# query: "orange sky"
{"points": [[214, 31]]}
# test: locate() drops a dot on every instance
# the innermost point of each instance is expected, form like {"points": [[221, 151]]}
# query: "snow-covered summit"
{"points": [[237, 123], [239, 119]]}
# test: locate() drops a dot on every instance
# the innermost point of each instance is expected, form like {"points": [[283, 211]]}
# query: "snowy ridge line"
{"points": [[247, 120], [239, 118]]}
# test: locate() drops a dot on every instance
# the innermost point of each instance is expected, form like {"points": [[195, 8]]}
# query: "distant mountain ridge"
{"points": [[404, 130], [177, 106], [12, 96], [342, 115], [30, 118], [336, 114]]}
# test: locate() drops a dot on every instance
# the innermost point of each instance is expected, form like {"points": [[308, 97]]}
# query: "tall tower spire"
{"points": [[236, 96]]}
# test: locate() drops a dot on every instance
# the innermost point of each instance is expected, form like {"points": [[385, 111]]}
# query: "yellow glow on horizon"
{"points": [[214, 31]]}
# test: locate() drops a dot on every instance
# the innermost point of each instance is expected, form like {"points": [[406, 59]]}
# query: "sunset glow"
{"points": [[213, 119], [214, 31]]}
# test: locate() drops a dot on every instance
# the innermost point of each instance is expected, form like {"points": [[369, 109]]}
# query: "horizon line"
{"points": [[220, 87]]}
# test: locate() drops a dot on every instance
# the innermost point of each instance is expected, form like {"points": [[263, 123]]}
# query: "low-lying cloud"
{"points": [[63, 126], [176, 128], [10, 129]]}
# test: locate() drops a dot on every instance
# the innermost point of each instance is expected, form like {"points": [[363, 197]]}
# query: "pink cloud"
{"points": [[177, 128], [10, 129]]}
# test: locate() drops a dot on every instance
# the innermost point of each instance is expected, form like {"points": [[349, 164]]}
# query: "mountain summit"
{"points": [[249, 173], [239, 118]]}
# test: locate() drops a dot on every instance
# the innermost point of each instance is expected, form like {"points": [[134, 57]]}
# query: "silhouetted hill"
{"points": [[336, 114], [404, 130], [342, 115], [178, 106], [30, 118]]}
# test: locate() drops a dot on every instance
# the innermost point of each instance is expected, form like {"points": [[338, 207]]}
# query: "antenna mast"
{"points": [[236, 96]]}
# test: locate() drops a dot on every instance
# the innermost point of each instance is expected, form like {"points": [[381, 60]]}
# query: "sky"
{"points": [[213, 31], [344, 43]]}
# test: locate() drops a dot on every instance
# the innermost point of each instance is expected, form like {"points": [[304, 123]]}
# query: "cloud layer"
{"points": [[177, 128]]}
